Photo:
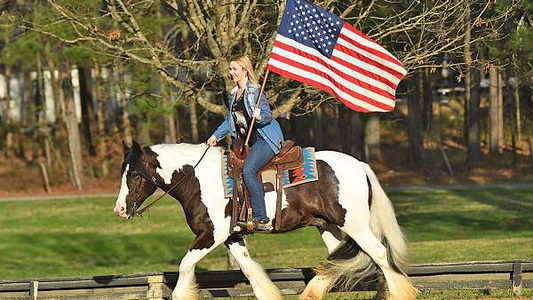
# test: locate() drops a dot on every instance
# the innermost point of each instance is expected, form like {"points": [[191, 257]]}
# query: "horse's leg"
{"points": [[263, 287], [320, 284], [331, 235], [398, 285], [186, 286]]}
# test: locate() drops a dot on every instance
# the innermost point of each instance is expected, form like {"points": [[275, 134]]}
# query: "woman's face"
{"points": [[237, 73]]}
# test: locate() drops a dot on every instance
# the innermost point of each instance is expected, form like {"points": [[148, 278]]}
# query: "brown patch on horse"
{"points": [[188, 193], [235, 237], [228, 209], [314, 200], [369, 192], [150, 160]]}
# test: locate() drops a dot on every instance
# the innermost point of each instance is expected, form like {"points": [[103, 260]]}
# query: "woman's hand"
{"points": [[212, 141], [257, 114]]}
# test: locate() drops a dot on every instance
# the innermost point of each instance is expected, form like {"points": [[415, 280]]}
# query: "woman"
{"points": [[266, 139]]}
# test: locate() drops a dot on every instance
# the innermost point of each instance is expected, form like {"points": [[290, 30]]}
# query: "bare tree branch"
{"points": [[417, 33]]}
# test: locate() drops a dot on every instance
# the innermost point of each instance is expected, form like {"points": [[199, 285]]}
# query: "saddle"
{"points": [[290, 157]]}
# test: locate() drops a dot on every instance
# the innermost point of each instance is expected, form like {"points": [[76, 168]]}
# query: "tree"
{"points": [[73, 132], [513, 51], [416, 153], [417, 34], [472, 91], [495, 110], [372, 133]]}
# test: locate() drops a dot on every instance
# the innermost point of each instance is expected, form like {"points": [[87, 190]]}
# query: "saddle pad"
{"points": [[307, 172]]}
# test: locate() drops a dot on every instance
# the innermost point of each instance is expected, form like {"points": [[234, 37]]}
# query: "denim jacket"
{"points": [[267, 127]]}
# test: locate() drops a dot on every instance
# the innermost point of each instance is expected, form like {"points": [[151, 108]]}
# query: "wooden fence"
{"points": [[486, 276]]}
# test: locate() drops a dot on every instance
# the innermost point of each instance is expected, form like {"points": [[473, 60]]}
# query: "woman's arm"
{"points": [[265, 114], [223, 129]]}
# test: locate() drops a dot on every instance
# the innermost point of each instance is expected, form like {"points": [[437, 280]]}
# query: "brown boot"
{"points": [[262, 225]]}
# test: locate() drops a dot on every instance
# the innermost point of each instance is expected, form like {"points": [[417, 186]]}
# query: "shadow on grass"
{"points": [[506, 199], [42, 255], [454, 214]]}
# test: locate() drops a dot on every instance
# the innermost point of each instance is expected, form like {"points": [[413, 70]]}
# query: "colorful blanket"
{"points": [[307, 172]]}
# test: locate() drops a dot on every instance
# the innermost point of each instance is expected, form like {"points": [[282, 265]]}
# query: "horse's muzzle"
{"points": [[121, 212]]}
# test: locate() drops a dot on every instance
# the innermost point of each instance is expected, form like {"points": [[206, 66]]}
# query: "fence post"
{"points": [[156, 287], [516, 277], [34, 288]]}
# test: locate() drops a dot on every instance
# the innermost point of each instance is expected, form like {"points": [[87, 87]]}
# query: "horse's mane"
{"points": [[185, 147], [191, 152]]}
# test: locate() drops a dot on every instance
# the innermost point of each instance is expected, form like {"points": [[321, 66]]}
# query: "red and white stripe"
{"points": [[360, 73]]}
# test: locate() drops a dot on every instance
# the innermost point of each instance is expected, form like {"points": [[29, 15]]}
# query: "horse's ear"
{"points": [[136, 147], [125, 148]]}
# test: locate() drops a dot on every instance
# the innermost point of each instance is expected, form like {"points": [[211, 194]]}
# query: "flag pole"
{"points": [[256, 106]]}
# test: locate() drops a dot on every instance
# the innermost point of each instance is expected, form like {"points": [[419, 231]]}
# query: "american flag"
{"points": [[318, 48]]}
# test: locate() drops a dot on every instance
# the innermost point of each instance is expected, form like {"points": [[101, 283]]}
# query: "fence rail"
{"points": [[515, 275]]}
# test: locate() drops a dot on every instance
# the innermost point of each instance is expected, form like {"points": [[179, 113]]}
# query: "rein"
{"points": [[146, 207]]}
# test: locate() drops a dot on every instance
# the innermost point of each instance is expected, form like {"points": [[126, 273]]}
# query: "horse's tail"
{"points": [[383, 220], [348, 265]]}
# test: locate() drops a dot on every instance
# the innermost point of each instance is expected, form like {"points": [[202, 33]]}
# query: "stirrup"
{"points": [[262, 225]]}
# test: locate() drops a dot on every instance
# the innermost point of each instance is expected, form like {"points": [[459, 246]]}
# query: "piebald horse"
{"points": [[347, 199]]}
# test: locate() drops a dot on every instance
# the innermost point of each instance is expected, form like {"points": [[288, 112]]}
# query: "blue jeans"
{"points": [[259, 155]]}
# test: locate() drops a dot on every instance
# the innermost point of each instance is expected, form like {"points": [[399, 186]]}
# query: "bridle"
{"points": [[146, 207]]}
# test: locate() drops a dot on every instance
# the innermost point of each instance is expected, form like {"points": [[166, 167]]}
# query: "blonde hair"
{"points": [[244, 61]]}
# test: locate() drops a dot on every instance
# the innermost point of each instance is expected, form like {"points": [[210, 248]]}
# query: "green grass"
{"points": [[82, 237]]}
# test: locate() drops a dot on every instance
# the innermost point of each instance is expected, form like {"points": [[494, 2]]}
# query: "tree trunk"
{"points": [[495, 110], [472, 77], [358, 144], [474, 147], [194, 120], [428, 101], [517, 112], [318, 122], [501, 91], [344, 129], [372, 138], [101, 120], [170, 118], [44, 137], [30, 116], [350, 127], [87, 109], [415, 124], [120, 83], [59, 137], [467, 55], [9, 140], [181, 123], [73, 131]]}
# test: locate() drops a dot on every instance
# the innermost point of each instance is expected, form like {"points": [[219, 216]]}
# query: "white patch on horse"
{"points": [[332, 238], [123, 193], [270, 202], [353, 187], [261, 284], [186, 285], [208, 172]]}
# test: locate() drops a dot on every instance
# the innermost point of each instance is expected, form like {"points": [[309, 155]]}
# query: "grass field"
{"points": [[80, 237]]}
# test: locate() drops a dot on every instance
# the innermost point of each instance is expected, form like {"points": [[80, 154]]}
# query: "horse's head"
{"points": [[137, 182]]}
